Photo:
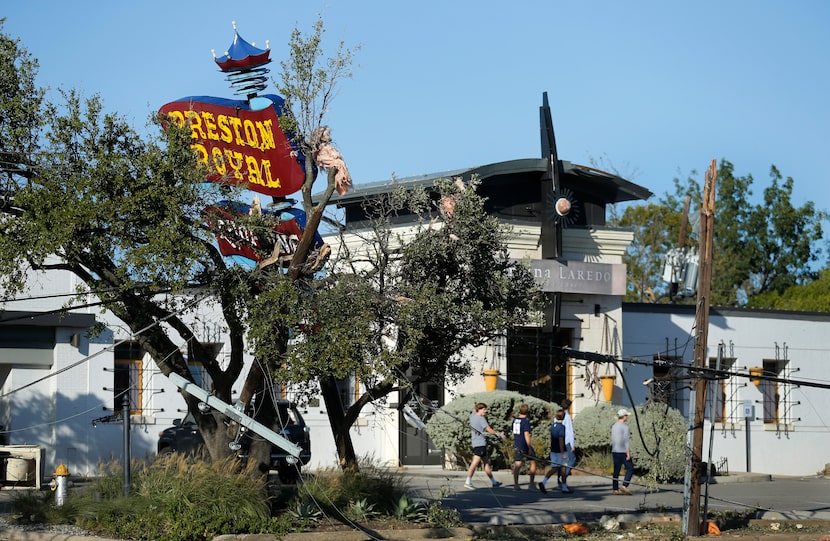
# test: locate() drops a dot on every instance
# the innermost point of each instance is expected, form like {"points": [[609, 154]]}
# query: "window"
{"points": [[776, 395], [722, 405], [536, 365], [197, 368], [127, 377], [664, 387]]}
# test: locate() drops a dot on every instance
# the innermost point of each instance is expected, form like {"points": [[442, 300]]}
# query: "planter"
{"points": [[491, 379], [607, 381]]}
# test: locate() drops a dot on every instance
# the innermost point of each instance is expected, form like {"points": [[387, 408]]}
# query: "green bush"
{"points": [[592, 426], [659, 445], [658, 438], [173, 498], [449, 428], [372, 491]]}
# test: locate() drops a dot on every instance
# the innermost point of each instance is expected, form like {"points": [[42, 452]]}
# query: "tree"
{"points": [[809, 297], [656, 228], [124, 213], [399, 307], [758, 248]]}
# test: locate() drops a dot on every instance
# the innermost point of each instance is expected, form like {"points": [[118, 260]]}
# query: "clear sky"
{"points": [[655, 89]]}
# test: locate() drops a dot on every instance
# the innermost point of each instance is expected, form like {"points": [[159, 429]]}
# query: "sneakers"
{"points": [[625, 491], [616, 493], [566, 490], [497, 484], [516, 487], [542, 488], [469, 485]]}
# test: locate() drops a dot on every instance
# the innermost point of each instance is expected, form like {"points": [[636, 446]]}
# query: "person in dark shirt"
{"points": [[559, 461], [522, 446]]}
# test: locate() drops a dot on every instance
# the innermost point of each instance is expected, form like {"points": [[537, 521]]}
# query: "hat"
{"points": [[622, 412]]}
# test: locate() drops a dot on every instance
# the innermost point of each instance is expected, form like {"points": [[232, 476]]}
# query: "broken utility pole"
{"points": [[692, 524]]}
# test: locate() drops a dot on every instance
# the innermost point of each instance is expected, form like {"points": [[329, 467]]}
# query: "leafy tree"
{"points": [[656, 228], [124, 214], [758, 248], [400, 307], [86, 194], [809, 297]]}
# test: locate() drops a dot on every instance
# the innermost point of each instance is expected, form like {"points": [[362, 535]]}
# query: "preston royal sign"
{"points": [[241, 146], [561, 276], [240, 140]]}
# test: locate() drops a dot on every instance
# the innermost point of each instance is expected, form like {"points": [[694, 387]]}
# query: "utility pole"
{"points": [[707, 215]]}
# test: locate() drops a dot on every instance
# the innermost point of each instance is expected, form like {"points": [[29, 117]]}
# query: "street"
{"points": [[786, 498]]}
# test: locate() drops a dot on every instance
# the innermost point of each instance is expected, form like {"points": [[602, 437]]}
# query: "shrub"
{"points": [[176, 498], [449, 428], [658, 438], [659, 445], [372, 490]]}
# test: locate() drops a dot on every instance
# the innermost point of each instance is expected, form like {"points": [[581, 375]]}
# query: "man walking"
{"points": [[522, 446], [621, 453], [558, 454], [479, 427]]}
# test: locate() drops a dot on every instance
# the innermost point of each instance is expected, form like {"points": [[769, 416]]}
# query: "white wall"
{"points": [[795, 447]]}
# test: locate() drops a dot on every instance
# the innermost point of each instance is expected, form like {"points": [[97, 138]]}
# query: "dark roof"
{"points": [[605, 186]]}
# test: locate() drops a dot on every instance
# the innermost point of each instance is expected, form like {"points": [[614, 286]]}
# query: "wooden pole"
{"points": [[707, 215]]}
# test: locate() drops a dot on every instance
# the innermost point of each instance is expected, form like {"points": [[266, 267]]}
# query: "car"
{"points": [[184, 437]]}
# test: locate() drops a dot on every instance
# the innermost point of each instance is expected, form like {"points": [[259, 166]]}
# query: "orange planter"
{"points": [[491, 379], [607, 381]]}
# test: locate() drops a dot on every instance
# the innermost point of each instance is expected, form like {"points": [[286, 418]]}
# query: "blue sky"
{"points": [[654, 89]]}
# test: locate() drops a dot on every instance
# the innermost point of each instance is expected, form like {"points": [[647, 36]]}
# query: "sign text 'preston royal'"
{"points": [[579, 277], [240, 146]]}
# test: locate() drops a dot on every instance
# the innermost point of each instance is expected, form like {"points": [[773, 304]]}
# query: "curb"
{"points": [[462, 534]]}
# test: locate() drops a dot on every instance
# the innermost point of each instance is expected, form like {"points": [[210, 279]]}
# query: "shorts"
{"points": [[480, 451], [557, 460], [571, 457]]}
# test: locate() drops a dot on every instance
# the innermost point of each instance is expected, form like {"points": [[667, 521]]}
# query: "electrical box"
{"points": [[749, 409]]}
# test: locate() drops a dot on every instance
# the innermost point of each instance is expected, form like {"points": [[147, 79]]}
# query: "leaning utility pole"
{"points": [[707, 215]]}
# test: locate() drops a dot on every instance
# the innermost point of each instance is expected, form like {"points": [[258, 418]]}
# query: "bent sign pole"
{"points": [[230, 411]]}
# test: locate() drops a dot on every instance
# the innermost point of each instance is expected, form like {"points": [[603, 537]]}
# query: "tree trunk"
{"points": [[340, 427]]}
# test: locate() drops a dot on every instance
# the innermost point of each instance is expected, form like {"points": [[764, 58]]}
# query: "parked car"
{"points": [[184, 437]]}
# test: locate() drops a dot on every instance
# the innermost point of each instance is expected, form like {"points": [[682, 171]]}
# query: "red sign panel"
{"points": [[241, 146]]}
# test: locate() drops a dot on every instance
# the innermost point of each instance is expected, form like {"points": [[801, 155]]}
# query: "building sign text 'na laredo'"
{"points": [[559, 276]]}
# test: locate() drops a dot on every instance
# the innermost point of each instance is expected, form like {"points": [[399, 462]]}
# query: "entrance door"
{"points": [[416, 449]]}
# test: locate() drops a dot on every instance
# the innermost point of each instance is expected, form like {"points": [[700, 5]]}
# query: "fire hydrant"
{"points": [[59, 484]]}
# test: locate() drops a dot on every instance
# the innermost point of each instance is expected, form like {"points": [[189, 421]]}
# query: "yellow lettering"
{"points": [[266, 135], [235, 160], [265, 173], [219, 161], [250, 134], [253, 170], [195, 123], [177, 117], [210, 126], [236, 123], [222, 122], [201, 151]]}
